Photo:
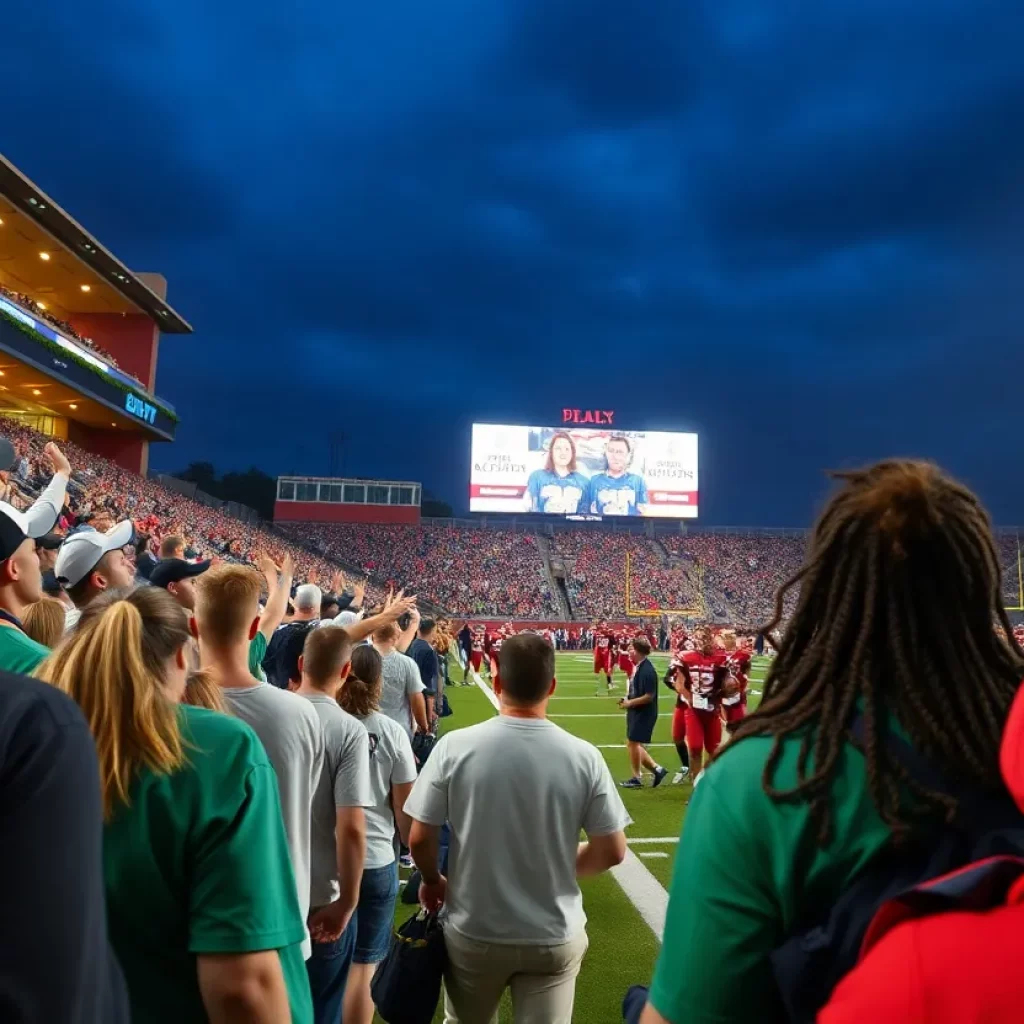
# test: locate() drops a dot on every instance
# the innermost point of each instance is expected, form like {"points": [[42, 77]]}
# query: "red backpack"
{"points": [[947, 950]]}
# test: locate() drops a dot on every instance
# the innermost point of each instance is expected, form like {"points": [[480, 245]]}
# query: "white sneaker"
{"points": [[679, 776]]}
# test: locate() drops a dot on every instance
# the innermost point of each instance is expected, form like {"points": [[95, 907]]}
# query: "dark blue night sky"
{"points": [[795, 229]]}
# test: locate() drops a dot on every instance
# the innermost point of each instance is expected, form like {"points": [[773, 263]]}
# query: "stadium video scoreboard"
{"points": [[585, 468]]}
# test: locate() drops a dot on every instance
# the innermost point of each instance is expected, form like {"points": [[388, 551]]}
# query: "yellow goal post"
{"points": [[695, 612], [1019, 606]]}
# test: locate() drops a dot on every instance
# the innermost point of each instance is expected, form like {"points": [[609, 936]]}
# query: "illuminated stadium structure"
{"points": [[79, 332]]}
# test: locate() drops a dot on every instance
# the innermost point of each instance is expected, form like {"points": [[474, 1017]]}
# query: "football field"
{"points": [[623, 908]]}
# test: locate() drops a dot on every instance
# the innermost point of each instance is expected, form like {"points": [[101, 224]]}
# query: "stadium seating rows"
{"points": [[467, 571]]}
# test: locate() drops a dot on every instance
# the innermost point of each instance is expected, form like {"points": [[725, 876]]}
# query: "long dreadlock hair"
{"points": [[899, 597]]}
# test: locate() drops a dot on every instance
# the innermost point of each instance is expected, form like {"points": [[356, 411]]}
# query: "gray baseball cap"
{"points": [[80, 553]]}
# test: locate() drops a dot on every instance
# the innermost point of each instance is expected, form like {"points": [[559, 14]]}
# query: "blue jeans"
{"points": [[328, 973], [375, 914]]}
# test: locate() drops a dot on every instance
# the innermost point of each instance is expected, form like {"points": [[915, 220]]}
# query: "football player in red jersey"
{"points": [[737, 661], [706, 684], [624, 656], [476, 653], [675, 680], [603, 654]]}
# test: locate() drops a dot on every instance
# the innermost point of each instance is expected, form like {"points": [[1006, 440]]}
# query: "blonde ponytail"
{"points": [[111, 666]]}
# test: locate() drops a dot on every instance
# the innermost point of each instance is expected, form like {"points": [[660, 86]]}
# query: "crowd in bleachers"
{"points": [[466, 571], [596, 575], [102, 493], [741, 573], [28, 303]]}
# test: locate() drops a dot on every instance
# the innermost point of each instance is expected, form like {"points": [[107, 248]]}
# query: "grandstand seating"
{"points": [[466, 570], [101, 489]]}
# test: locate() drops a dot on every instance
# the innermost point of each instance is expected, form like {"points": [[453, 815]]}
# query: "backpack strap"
{"points": [[974, 888], [920, 768]]}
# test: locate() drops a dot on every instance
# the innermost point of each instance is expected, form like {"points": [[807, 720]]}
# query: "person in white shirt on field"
{"points": [[516, 791], [392, 773]]}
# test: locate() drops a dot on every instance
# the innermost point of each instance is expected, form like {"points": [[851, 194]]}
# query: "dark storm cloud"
{"points": [[794, 232]]}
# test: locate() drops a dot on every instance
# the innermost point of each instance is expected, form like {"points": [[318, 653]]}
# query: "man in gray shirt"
{"points": [[339, 823], [227, 616], [402, 697], [517, 791]]}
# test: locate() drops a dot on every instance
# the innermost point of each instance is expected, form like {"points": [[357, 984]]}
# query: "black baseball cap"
{"points": [[51, 585], [174, 570], [50, 542], [16, 527]]}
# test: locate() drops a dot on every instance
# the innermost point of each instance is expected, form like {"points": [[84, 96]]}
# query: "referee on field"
{"points": [[641, 704]]}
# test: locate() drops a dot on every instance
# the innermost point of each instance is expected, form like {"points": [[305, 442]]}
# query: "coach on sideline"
{"points": [[516, 790]]}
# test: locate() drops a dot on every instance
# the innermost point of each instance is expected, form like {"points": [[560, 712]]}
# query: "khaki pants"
{"points": [[542, 980]]}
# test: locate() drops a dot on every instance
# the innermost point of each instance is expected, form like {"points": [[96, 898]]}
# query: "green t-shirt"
{"points": [[257, 652], [19, 653], [198, 863], [748, 872]]}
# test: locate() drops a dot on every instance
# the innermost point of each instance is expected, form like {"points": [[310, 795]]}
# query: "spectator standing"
{"points": [[339, 824], [178, 577], [47, 547], [172, 547], [421, 650], [402, 695], [21, 585], [227, 619], [44, 622], [52, 812], [896, 608], [308, 599], [90, 562], [517, 791], [144, 558], [392, 773], [200, 892]]}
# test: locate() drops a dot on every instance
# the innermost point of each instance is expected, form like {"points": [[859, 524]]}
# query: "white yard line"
{"points": [[644, 891], [618, 715], [652, 854], [651, 840]]}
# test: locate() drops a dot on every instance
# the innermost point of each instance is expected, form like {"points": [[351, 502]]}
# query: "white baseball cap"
{"points": [[80, 553]]}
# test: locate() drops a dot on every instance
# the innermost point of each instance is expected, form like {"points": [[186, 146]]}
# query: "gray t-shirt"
{"points": [[517, 792], [293, 738], [391, 763], [344, 782], [401, 678]]}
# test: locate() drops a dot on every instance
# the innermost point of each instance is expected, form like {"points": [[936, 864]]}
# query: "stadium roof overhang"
{"points": [[76, 274], [24, 389]]}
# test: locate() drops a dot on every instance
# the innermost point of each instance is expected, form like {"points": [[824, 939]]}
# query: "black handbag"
{"points": [[406, 986]]}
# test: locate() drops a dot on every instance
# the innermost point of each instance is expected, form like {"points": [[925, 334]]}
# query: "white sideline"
{"points": [[642, 889], [487, 691]]}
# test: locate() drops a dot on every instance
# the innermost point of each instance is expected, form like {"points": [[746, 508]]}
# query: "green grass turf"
{"points": [[622, 948]]}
